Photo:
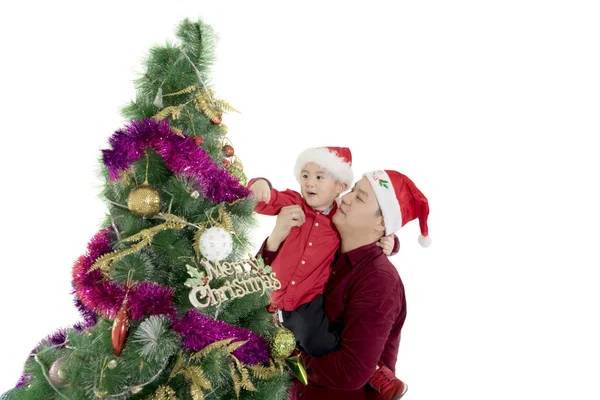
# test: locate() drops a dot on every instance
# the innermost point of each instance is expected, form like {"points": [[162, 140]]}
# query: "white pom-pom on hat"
{"points": [[424, 241]]}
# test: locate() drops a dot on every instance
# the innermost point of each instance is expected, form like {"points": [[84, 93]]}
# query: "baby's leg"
{"points": [[311, 328]]}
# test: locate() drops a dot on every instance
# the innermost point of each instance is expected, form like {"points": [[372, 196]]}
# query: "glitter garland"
{"points": [[181, 155], [148, 298], [199, 331]]}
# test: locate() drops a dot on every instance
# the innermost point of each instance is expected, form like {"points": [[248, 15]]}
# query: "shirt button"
{"points": [[303, 262], [334, 273], [310, 243], [293, 282], [316, 224], [300, 395]]}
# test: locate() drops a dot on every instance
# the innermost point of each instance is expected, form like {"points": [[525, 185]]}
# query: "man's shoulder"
{"points": [[379, 267]]}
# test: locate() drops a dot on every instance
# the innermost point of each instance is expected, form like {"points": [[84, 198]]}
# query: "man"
{"points": [[364, 297]]}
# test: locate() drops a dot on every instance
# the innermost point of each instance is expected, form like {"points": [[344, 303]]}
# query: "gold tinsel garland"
{"points": [[144, 238], [203, 101], [164, 393], [240, 374]]}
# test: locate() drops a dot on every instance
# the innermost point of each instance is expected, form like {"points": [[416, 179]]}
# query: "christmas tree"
{"points": [[173, 303]]}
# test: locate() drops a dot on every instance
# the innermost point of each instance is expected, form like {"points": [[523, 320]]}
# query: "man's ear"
{"points": [[380, 225]]}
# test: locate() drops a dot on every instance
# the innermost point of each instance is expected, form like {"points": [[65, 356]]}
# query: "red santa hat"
{"points": [[336, 160], [400, 202]]}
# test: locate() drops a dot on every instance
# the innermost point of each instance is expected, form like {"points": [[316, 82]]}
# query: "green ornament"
{"points": [[298, 369], [283, 343]]}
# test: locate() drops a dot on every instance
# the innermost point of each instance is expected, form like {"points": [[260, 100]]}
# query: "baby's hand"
{"points": [[261, 190], [387, 244]]}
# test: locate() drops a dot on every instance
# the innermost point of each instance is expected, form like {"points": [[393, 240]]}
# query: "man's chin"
{"points": [[337, 217]]}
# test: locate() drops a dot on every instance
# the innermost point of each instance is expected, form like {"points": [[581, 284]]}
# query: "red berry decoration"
{"points": [[199, 140], [228, 150], [226, 163], [217, 119]]}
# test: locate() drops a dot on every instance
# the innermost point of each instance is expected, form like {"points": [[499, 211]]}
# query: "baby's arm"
{"points": [[270, 201], [389, 244]]}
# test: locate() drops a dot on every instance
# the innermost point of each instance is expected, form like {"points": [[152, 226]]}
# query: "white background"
{"points": [[490, 107]]}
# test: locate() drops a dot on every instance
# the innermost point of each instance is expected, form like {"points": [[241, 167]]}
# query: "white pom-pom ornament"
{"points": [[215, 244]]}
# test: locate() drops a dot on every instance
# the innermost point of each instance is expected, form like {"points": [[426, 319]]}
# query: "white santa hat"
{"points": [[336, 160], [400, 202]]}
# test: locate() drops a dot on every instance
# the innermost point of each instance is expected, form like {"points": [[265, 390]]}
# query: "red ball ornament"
{"points": [[217, 119], [120, 330], [226, 163], [228, 150], [199, 140]]}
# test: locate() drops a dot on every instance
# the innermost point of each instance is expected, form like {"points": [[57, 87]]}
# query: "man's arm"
{"points": [[373, 308]]}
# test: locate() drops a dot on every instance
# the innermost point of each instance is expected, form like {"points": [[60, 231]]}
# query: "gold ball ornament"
{"points": [[239, 174], [100, 393], [283, 343], [144, 201], [112, 364], [238, 164]]}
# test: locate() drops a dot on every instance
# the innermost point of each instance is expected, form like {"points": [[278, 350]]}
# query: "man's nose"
{"points": [[346, 199]]}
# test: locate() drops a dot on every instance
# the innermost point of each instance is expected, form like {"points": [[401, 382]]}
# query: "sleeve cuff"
{"points": [[267, 256], [396, 248], [255, 179]]}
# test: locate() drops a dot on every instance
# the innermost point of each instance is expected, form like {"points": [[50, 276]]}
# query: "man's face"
{"points": [[358, 210], [318, 187]]}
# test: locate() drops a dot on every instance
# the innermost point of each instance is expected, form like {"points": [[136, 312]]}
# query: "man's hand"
{"points": [[261, 190], [289, 217], [387, 244]]}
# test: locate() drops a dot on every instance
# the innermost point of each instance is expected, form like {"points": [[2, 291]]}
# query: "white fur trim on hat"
{"points": [[386, 196], [329, 160]]}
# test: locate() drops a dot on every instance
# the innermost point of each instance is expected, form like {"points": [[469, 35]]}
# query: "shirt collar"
{"points": [[360, 254], [329, 212], [326, 212]]}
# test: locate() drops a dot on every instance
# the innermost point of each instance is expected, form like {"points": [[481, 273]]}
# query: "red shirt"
{"points": [[305, 257], [365, 300]]}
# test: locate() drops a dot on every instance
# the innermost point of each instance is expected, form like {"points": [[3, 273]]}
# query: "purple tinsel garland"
{"points": [[58, 339], [199, 331], [181, 154], [148, 298]]}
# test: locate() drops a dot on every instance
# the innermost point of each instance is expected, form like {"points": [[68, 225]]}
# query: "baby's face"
{"points": [[318, 187]]}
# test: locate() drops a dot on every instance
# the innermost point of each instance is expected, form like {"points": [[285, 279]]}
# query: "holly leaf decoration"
{"points": [[261, 268], [384, 183], [267, 269], [197, 277]]}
